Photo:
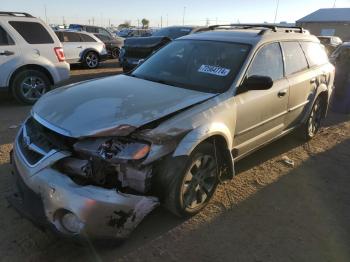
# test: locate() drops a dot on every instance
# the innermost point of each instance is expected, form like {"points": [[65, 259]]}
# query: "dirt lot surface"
{"points": [[268, 212]]}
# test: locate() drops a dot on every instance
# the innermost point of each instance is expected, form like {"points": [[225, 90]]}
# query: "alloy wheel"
{"points": [[314, 121], [33, 87], [199, 182], [91, 60]]}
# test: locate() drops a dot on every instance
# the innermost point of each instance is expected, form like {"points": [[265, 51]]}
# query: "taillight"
{"points": [[60, 54]]}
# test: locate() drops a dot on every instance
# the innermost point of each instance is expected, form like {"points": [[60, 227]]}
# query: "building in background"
{"points": [[328, 22]]}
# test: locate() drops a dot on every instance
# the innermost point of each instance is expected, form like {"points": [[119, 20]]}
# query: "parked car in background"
{"points": [[113, 44], [330, 42], [138, 49], [170, 131], [32, 60], [134, 32], [91, 29], [82, 47], [337, 52]]}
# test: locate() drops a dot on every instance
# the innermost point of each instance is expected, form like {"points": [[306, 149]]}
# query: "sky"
{"points": [[163, 12]]}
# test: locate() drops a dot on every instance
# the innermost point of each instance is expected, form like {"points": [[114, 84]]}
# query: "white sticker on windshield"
{"points": [[214, 70]]}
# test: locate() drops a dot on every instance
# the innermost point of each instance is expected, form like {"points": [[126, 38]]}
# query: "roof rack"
{"points": [[266, 27], [16, 14]]}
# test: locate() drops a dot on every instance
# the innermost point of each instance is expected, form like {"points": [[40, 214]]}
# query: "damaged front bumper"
{"points": [[51, 199]]}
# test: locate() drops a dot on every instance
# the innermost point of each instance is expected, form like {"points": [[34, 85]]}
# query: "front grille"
{"points": [[31, 156], [36, 141]]}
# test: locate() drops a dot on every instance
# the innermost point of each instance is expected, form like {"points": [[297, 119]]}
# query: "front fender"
{"points": [[198, 135]]}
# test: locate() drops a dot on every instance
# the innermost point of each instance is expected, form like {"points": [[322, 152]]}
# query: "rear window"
{"points": [[5, 39], [32, 32], [315, 53], [295, 60]]}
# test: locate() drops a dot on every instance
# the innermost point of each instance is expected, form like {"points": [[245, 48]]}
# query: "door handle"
{"points": [[79, 47], [282, 93], [6, 53]]}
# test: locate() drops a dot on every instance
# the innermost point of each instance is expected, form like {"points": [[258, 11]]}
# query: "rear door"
{"points": [[88, 42], [301, 81], [261, 113], [72, 46], [9, 56]]}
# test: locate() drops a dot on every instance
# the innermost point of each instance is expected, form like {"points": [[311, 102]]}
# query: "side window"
{"points": [[32, 32], [103, 31], [71, 37], [91, 29], [294, 57], [5, 39], [268, 62], [87, 38], [315, 53], [102, 37]]}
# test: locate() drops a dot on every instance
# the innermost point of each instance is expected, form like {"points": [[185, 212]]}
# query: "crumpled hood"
{"points": [[90, 107]]}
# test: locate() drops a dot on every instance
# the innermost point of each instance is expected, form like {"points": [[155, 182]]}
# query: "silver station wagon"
{"points": [[94, 158]]}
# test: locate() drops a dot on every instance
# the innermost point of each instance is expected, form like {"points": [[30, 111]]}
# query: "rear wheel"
{"points": [[313, 123], [29, 85], [194, 185], [91, 60], [115, 53]]}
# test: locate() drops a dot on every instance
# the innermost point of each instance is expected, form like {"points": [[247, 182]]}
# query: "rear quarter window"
{"points": [[32, 32], [315, 53], [87, 38]]}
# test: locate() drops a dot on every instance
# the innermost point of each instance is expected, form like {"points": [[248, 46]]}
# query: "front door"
{"points": [[261, 113], [9, 56]]}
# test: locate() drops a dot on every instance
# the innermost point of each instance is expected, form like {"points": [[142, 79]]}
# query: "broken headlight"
{"points": [[113, 149]]}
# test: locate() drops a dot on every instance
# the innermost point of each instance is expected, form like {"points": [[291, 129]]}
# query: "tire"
{"points": [[115, 53], [192, 183], [29, 85], [91, 60], [311, 127]]}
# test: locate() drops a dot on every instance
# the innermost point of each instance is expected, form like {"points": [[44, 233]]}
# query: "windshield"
{"points": [[205, 66], [173, 32]]}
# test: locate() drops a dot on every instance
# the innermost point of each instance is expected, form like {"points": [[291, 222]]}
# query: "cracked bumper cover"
{"points": [[104, 213]]}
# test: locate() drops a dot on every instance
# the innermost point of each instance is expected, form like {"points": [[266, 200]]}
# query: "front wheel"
{"points": [[91, 60], [194, 185]]}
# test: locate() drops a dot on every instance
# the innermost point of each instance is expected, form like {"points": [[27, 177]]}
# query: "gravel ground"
{"points": [[268, 212]]}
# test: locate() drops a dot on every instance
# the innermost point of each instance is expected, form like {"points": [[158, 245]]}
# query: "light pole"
{"points": [[183, 16], [335, 1], [278, 3]]}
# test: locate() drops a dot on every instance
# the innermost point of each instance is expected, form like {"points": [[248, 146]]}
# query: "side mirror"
{"points": [[256, 82]]}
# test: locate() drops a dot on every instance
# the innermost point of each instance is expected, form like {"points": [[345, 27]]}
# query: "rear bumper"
{"points": [[44, 196], [61, 72]]}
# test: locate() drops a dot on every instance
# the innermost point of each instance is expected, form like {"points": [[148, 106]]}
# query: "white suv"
{"points": [[82, 47], [31, 57]]}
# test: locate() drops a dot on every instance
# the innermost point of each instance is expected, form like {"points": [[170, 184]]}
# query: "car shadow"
{"points": [[301, 216]]}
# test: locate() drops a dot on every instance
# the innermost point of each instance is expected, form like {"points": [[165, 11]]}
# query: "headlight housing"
{"points": [[113, 149]]}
